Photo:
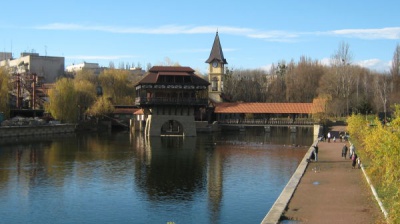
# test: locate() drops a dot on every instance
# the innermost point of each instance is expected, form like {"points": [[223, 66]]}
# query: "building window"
{"points": [[214, 84]]}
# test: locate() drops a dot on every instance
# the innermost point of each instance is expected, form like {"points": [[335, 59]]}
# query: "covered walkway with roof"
{"points": [[268, 113], [292, 115]]}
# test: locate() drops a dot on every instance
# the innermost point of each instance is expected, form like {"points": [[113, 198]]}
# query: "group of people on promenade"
{"points": [[342, 137], [355, 160], [346, 151]]}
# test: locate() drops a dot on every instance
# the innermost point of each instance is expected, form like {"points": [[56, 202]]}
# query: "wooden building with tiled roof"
{"points": [[171, 97]]}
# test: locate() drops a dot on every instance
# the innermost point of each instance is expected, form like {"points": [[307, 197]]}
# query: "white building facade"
{"points": [[47, 68]]}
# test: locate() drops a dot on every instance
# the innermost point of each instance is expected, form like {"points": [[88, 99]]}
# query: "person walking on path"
{"points": [[344, 151], [354, 160], [329, 137], [352, 150], [315, 151]]}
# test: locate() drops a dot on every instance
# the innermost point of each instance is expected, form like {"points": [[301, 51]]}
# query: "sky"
{"points": [[253, 34]]}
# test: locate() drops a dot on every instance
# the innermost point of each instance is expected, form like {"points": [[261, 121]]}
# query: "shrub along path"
{"points": [[330, 191]]}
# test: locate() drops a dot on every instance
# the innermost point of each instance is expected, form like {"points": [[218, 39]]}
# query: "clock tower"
{"points": [[216, 70]]}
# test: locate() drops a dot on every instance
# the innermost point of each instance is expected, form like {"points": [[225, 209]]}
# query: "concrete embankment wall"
{"points": [[12, 131], [281, 203], [204, 126]]}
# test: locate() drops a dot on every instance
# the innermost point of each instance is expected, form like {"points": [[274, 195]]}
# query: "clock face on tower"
{"points": [[215, 64]]}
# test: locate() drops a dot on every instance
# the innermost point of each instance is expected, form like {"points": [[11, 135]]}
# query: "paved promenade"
{"points": [[332, 192]]}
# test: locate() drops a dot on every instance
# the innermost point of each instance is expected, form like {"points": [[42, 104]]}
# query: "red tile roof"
{"points": [[139, 112], [318, 106], [156, 71], [125, 110], [263, 108], [170, 69], [149, 78], [174, 73]]}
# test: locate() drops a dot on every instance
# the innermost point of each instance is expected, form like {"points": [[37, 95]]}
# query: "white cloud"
{"points": [[98, 57], [192, 50], [375, 64], [278, 36], [266, 68], [391, 33], [325, 61], [201, 50], [167, 29], [369, 62]]}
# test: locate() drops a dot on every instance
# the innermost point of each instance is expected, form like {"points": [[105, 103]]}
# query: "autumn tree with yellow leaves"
{"points": [[4, 89], [63, 101], [380, 150]]}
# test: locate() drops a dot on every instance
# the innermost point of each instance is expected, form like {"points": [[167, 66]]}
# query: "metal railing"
{"points": [[272, 121]]}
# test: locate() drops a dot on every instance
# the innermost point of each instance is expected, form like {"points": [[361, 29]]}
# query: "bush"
{"points": [[380, 146]]}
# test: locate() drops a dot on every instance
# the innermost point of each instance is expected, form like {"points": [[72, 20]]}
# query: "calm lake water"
{"points": [[227, 177]]}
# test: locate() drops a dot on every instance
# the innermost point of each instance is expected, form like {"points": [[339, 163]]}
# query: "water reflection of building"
{"points": [[170, 169], [215, 184], [174, 168]]}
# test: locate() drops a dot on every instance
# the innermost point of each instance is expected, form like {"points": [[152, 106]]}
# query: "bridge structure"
{"points": [[267, 115], [238, 124]]}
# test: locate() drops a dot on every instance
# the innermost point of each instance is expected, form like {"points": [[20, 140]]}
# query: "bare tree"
{"points": [[302, 80], [363, 90], [121, 65], [168, 62], [111, 65], [382, 90], [341, 61], [276, 86], [395, 73], [395, 69], [244, 85], [148, 67]]}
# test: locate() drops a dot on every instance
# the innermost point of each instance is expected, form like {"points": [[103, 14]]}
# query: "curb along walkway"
{"points": [[330, 191]]}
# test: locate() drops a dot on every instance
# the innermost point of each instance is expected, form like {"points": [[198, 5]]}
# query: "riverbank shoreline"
{"points": [[17, 131]]}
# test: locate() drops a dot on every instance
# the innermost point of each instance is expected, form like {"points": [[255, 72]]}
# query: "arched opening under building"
{"points": [[172, 127]]}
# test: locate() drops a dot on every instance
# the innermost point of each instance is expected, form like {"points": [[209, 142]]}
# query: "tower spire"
{"points": [[216, 51], [216, 62]]}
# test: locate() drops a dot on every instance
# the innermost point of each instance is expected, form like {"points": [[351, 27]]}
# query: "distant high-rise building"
{"points": [[5, 56]]}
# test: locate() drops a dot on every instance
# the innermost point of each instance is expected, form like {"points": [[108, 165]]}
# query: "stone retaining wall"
{"points": [[11, 131]]}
